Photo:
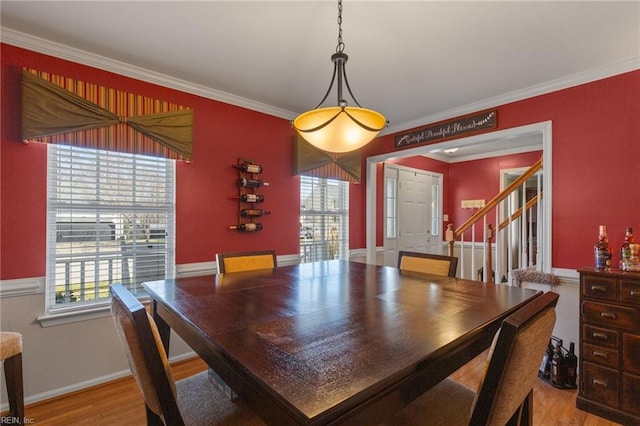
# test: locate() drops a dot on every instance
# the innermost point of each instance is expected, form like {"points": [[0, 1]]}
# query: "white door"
{"points": [[414, 210]]}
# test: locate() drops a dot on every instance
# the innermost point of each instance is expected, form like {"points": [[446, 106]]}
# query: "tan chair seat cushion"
{"points": [[10, 344], [202, 403], [446, 404]]}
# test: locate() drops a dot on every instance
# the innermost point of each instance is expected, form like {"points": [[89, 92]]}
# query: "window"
{"points": [[391, 208], [324, 219], [435, 206], [110, 218]]}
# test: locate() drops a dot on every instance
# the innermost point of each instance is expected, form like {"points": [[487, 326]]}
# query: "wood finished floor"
{"points": [[120, 402]]}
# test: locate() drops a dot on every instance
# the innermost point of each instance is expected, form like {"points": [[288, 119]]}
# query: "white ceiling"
{"points": [[415, 61]]}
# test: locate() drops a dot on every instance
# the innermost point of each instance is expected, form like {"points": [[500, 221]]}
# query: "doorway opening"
{"points": [[412, 211], [506, 139]]}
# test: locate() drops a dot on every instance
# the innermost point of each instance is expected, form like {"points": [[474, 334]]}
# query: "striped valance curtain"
{"points": [[62, 110], [311, 161]]}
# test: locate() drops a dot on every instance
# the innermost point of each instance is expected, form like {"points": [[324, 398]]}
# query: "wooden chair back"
{"points": [[147, 358], [246, 261], [428, 263], [513, 363]]}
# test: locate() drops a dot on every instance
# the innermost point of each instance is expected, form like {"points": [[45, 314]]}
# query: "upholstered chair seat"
{"points": [[11, 356], [10, 344]]}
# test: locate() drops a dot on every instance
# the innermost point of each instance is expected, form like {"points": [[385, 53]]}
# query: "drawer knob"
{"points": [[601, 336], [600, 383], [608, 315], [600, 355], [598, 288]]}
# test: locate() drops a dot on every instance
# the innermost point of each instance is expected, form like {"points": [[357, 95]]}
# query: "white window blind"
{"points": [[110, 220], [324, 219]]}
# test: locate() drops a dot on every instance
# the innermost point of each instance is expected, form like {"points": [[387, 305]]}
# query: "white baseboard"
{"points": [[54, 393]]}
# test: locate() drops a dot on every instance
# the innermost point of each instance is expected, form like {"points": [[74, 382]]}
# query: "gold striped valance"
{"points": [[311, 161], [61, 110]]}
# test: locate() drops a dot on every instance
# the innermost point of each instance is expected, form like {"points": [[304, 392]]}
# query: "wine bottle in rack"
{"points": [[253, 212], [246, 227], [249, 198], [251, 183], [249, 168], [558, 370], [571, 362]]}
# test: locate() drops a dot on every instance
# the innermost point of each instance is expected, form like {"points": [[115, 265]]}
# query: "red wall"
{"points": [[221, 134], [596, 159], [596, 154]]}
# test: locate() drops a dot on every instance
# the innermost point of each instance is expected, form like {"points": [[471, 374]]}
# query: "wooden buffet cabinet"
{"points": [[609, 369]]}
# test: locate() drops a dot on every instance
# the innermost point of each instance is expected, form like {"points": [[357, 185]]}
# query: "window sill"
{"points": [[78, 315]]}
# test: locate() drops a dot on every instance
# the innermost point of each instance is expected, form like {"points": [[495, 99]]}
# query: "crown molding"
{"points": [[40, 45]]}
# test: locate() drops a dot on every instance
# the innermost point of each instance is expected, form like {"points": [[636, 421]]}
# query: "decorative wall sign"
{"points": [[449, 129]]}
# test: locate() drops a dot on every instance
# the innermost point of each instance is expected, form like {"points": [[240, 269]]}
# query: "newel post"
{"points": [[487, 267], [448, 236]]}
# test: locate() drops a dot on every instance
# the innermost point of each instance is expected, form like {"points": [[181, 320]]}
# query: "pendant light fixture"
{"points": [[340, 128]]}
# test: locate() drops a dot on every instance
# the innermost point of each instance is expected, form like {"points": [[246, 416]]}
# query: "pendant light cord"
{"points": [[340, 46]]}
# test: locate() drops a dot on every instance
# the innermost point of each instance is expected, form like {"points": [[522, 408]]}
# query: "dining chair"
{"points": [[505, 395], [246, 261], [428, 263], [192, 401], [11, 356]]}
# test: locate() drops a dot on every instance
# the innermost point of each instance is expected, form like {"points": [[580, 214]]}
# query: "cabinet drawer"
{"points": [[631, 354], [600, 384], [631, 393], [600, 355], [600, 287], [630, 291], [600, 336], [610, 315]]}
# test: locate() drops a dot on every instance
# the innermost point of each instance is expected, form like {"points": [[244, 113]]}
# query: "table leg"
{"points": [[163, 328], [527, 410], [524, 415]]}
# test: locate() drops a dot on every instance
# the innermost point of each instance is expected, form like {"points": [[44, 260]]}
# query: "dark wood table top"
{"points": [[332, 341]]}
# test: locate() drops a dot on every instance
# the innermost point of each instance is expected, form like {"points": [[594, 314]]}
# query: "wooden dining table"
{"points": [[332, 342]]}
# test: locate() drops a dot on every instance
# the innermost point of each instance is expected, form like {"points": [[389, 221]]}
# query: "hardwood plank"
{"points": [[120, 402], [115, 403]]}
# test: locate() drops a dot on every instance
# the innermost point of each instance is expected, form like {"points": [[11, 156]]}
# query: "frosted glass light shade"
{"points": [[338, 129]]}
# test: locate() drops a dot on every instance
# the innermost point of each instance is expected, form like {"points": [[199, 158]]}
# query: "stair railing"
{"points": [[523, 239]]}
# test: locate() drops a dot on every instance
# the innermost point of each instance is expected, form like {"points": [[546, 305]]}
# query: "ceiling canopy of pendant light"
{"points": [[339, 128]]}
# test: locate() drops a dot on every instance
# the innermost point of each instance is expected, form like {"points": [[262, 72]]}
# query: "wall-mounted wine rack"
{"points": [[249, 202]]}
